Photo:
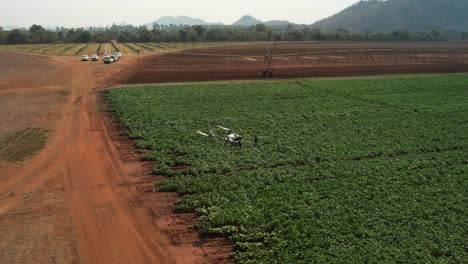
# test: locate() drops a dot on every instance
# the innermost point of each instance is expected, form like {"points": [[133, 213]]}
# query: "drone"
{"points": [[232, 139]]}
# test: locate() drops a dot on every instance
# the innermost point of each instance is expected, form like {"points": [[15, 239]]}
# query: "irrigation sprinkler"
{"points": [[138, 52], [367, 55], [267, 69]]}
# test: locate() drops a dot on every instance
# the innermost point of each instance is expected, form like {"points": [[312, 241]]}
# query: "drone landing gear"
{"points": [[231, 144]]}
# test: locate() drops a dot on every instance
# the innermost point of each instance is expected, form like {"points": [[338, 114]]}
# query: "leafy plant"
{"points": [[362, 170]]}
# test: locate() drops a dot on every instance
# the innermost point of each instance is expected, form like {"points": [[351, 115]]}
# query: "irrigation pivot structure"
{"points": [[267, 70]]}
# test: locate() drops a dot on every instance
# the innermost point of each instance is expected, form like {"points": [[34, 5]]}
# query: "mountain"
{"points": [[276, 23], [247, 21], [393, 15], [9, 27], [52, 28], [180, 20]]}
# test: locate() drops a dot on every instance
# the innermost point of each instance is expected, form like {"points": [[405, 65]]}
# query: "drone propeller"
{"points": [[211, 135], [203, 134], [224, 128]]}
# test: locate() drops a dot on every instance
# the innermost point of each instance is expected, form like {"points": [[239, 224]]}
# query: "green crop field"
{"points": [[346, 171]]}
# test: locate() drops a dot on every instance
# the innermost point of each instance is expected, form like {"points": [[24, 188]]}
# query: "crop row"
{"points": [[54, 49], [364, 211], [364, 170], [127, 48], [311, 122]]}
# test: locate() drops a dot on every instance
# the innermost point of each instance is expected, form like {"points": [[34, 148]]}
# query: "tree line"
{"points": [[36, 34]]}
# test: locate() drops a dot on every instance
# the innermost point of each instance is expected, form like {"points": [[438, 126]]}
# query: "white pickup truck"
{"points": [[108, 59]]}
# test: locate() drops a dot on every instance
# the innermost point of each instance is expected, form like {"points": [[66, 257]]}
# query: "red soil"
{"points": [[304, 59], [85, 197]]}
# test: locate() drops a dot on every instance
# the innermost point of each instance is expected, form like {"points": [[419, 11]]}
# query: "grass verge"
{"points": [[20, 145]]}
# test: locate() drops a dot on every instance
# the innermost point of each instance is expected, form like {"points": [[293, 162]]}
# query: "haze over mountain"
{"points": [[247, 21], [180, 20], [8, 27], [11, 27], [366, 15], [186, 20], [393, 15], [273, 23]]}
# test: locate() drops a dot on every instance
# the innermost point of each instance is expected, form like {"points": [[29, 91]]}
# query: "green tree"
{"points": [[127, 37], [200, 30], [296, 35], [464, 35], [156, 26], [17, 36], [37, 34], [2, 35], [146, 36], [400, 35], [49, 37], [437, 34], [214, 34], [342, 34], [81, 36], [260, 28]]}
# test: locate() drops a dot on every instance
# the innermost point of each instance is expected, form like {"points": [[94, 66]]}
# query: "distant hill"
{"points": [[275, 23], [247, 21], [393, 15], [9, 27], [180, 20]]}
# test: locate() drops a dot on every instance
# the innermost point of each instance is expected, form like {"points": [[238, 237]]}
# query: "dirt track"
{"points": [[305, 59], [77, 200]]}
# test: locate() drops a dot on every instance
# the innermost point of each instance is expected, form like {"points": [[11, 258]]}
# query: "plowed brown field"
{"points": [[304, 59]]}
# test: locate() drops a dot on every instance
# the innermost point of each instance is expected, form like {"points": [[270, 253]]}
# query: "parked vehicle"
{"points": [[95, 57], [118, 53], [108, 59], [85, 58]]}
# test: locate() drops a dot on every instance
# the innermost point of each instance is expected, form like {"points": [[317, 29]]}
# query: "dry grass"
{"points": [[20, 145]]}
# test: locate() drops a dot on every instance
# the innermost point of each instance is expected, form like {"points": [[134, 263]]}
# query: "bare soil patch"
{"points": [[21, 70], [83, 197], [20, 145], [35, 223], [158, 206], [304, 59]]}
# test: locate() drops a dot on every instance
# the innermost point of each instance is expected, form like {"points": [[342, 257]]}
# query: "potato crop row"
{"points": [[363, 170]]}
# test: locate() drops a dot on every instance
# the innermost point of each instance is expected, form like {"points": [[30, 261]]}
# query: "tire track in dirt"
{"points": [[109, 224]]}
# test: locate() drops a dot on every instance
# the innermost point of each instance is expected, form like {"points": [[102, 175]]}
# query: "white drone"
{"points": [[231, 139]]}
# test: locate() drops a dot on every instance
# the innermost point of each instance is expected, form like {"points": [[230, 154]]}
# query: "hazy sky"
{"points": [[75, 13]]}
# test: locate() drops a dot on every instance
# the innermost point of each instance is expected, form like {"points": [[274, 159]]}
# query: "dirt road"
{"points": [[81, 190]]}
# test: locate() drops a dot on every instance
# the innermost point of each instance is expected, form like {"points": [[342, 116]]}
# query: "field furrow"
{"points": [[327, 169], [124, 49]]}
